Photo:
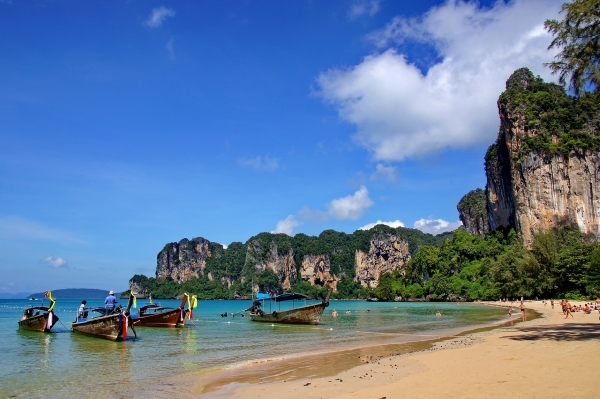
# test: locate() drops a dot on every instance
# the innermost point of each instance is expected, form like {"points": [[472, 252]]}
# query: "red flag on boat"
{"points": [[124, 326]]}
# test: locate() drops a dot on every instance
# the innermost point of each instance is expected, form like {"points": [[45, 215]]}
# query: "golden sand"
{"points": [[549, 357]]}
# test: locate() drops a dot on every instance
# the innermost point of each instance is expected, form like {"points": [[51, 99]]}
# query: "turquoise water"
{"points": [[62, 364]]}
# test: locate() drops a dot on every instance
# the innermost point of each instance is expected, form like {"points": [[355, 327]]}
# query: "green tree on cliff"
{"points": [[577, 35]]}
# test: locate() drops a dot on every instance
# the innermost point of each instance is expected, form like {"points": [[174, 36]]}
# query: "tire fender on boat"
{"points": [[274, 314], [260, 313]]}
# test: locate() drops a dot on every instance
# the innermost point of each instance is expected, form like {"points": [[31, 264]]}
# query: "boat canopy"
{"points": [[281, 298], [42, 308]]}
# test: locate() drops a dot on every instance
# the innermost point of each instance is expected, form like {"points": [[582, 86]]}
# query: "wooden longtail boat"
{"points": [[154, 315], [309, 314], [113, 326], [34, 320]]}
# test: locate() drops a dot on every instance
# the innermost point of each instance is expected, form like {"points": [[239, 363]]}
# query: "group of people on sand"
{"points": [[569, 309]]}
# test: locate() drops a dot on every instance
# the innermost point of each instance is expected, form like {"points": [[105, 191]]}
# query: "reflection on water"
{"points": [[63, 364]]}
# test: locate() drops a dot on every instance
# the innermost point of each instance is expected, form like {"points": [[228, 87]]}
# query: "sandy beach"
{"points": [[549, 357]]}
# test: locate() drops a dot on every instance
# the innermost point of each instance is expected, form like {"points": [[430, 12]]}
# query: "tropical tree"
{"points": [[577, 35]]}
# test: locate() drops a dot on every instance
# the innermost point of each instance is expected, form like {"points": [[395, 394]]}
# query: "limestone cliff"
{"points": [[183, 260], [544, 169], [387, 253], [472, 210], [316, 269], [282, 264]]}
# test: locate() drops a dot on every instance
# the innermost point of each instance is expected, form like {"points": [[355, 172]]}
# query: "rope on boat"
{"points": [[70, 329]]}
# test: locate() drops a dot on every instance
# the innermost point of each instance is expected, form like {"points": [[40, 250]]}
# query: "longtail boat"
{"points": [[39, 318], [308, 314], [154, 315], [112, 326]]}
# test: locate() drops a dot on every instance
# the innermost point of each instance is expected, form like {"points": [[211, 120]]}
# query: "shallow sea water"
{"points": [[62, 364]]}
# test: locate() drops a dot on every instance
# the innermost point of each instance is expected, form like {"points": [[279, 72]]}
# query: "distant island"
{"points": [[84, 293]]}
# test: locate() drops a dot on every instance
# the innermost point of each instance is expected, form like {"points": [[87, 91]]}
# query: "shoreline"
{"points": [[222, 383], [477, 354]]}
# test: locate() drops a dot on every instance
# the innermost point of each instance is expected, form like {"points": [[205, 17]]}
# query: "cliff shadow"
{"points": [[567, 332]]}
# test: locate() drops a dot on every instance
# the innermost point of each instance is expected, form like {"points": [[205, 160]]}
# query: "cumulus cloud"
{"points": [[394, 224], [351, 207], [259, 163], [363, 7], [158, 16], [436, 226], [400, 111], [287, 226], [387, 173], [54, 262]]}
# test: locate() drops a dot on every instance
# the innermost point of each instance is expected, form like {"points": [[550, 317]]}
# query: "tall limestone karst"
{"points": [[183, 260], [386, 254], [543, 171], [277, 262], [472, 210]]}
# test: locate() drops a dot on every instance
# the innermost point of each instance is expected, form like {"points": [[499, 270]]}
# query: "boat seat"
{"points": [[81, 320]]}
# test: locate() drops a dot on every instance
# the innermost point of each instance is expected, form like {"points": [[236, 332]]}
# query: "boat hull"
{"points": [[107, 327], [37, 323], [169, 318], [310, 314]]}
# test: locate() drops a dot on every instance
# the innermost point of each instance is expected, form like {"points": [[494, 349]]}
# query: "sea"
{"points": [[63, 364]]}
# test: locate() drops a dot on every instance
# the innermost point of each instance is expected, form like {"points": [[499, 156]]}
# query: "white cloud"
{"points": [[259, 163], [363, 7], [400, 112], [158, 16], [387, 173], [394, 224], [436, 226], [55, 263], [287, 225], [351, 207]]}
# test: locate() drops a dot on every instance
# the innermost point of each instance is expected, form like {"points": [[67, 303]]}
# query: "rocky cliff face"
{"points": [[138, 290], [537, 178], [472, 210], [283, 265], [183, 260], [387, 253], [316, 269]]}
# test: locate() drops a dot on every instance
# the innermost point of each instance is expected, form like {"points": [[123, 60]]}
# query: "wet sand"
{"points": [[343, 372]]}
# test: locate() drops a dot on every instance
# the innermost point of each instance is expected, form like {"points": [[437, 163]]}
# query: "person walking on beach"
{"points": [[522, 307], [110, 303], [568, 310], [552, 303]]}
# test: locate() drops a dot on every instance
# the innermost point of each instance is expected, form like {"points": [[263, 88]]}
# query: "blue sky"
{"points": [[128, 125]]}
